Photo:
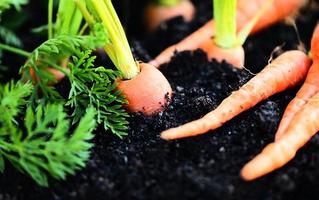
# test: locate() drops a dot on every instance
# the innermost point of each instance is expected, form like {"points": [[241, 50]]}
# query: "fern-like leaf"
{"points": [[44, 145], [96, 87]]}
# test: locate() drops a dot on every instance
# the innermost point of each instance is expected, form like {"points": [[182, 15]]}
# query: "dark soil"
{"points": [[142, 166]]}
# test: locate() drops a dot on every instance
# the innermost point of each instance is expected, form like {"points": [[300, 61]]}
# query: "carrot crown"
{"points": [[226, 35], [118, 49], [167, 2]]}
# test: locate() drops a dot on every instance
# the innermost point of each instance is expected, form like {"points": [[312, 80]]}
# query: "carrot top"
{"points": [[118, 49], [226, 35]]}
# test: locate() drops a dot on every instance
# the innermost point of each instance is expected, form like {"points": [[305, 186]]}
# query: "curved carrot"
{"points": [[304, 125], [156, 14], [308, 89], [246, 9], [285, 71]]}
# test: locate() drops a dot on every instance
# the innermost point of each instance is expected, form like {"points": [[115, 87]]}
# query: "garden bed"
{"points": [[142, 166]]}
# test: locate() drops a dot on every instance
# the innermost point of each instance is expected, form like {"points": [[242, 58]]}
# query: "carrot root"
{"points": [[148, 92], [285, 71], [304, 125], [234, 56]]}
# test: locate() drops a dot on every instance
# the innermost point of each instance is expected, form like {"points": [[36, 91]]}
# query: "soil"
{"points": [[142, 166]]}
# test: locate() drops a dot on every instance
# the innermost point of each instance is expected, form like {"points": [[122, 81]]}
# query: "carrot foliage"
{"points": [[95, 87], [41, 145], [118, 49]]}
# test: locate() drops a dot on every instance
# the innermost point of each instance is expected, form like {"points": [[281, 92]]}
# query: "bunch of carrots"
{"points": [[300, 120], [147, 90]]}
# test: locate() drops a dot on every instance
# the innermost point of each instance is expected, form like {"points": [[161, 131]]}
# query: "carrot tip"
{"points": [[166, 136]]}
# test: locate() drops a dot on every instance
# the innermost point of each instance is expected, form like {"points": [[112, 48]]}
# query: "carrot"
{"points": [[246, 10], [285, 71], [156, 13], [299, 124], [148, 99], [145, 87], [304, 125], [308, 89]]}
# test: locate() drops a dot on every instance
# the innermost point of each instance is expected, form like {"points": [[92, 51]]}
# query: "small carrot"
{"points": [[147, 92], [304, 125], [159, 11], [144, 86], [246, 10], [299, 124], [285, 71]]}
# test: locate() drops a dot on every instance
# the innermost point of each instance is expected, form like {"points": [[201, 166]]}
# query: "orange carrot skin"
{"points": [[246, 9], [148, 92], [308, 89], [278, 11], [156, 14], [285, 71], [315, 44], [304, 125], [234, 56]]}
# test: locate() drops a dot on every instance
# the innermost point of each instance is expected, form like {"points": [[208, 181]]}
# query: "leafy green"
{"points": [[96, 87], [43, 146], [51, 53]]}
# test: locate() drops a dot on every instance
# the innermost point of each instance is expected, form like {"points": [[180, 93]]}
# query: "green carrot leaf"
{"points": [[42, 145], [96, 87]]}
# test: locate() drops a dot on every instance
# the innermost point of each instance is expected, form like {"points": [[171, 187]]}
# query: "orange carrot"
{"points": [[285, 71], [304, 125], [148, 92], [299, 124], [309, 88], [246, 10], [156, 14]]}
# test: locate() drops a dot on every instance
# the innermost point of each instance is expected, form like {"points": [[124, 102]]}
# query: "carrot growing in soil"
{"points": [[296, 128], [285, 71], [246, 11], [158, 11], [145, 87]]}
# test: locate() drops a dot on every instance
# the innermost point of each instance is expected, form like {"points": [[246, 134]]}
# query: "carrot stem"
{"points": [[14, 50], [168, 3], [50, 13], [225, 19], [118, 49]]}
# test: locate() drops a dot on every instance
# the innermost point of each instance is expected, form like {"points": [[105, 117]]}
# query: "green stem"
{"points": [[169, 3], [14, 50], [50, 14], [75, 25], [87, 16], [119, 50], [225, 20]]}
